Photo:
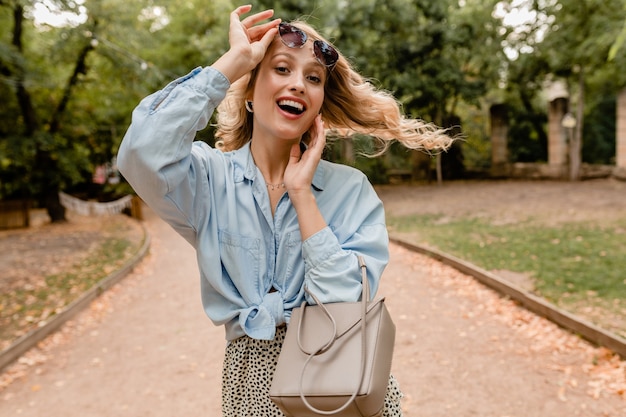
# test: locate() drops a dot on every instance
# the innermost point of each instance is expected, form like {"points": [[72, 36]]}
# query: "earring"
{"points": [[249, 106]]}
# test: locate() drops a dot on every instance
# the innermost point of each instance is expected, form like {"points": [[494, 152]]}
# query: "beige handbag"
{"points": [[333, 360]]}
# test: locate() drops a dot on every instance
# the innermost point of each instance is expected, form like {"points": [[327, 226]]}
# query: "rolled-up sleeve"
{"points": [[156, 157], [332, 270]]}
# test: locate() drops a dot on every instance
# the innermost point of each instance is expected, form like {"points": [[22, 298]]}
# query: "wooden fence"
{"points": [[14, 214]]}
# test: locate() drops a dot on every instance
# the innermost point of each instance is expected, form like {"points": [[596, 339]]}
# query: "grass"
{"points": [[578, 266], [26, 308]]}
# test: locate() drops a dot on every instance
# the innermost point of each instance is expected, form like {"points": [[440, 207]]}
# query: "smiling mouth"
{"points": [[292, 107]]}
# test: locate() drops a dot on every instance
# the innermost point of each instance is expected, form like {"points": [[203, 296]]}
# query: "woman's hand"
{"points": [[298, 177], [301, 167], [248, 40]]}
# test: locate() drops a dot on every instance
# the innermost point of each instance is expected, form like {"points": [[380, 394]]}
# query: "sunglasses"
{"points": [[293, 37]]}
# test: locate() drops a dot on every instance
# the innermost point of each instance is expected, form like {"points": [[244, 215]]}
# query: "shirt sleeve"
{"points": [[357, 227], [156, 156]]}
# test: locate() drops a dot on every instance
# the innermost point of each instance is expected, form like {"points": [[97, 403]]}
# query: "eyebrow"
{"points": [[288, 55]]}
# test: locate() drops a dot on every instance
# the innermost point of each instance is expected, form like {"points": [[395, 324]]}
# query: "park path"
{"points": [[146, 349]]}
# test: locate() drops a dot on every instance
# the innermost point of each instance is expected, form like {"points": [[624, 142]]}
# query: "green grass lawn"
{"points": [[578, 266]]}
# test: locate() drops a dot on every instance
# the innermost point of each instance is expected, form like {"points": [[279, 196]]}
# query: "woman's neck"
{"points": [[271, 159]]}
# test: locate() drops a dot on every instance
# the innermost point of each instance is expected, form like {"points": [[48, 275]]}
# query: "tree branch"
{"points": [[80, 68], [23, 96]]}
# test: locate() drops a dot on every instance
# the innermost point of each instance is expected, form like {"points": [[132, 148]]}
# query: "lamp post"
{"points": [[569, 123]]}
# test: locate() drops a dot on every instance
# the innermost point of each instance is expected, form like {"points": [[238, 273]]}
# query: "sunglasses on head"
{"points": [[293, 37]]}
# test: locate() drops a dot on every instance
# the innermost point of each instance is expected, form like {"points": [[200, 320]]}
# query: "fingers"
{"points": [[318, 136], [255, 18], [260, 30], [316, 145], [301, 167], [294, 153], [242, 10], [235, 15], [255, 31]]}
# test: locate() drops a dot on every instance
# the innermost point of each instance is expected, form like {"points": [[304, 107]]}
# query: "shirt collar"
{"points": [[245, 168]]}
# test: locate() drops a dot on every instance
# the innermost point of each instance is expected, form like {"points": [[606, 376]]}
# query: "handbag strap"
{"points": [[334, 336]]}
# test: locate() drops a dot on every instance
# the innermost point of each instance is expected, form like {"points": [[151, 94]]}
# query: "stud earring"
{"points": [[249, 106]]}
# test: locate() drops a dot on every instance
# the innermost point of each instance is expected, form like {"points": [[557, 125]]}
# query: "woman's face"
{"points": [[289, 91]]}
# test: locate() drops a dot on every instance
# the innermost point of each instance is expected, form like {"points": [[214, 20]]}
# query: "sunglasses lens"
{"points": [[291, 36], [325, 53]]}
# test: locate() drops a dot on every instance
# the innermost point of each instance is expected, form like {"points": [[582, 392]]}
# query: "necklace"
{"points": [[273, 187]]}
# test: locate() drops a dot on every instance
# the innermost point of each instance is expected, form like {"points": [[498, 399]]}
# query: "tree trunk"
{"points": [[577, 138], [23, 96], [499, 122], [439, 170], [347, 150], [55, 210], [79, 68], [43, 162], [50, 197]]}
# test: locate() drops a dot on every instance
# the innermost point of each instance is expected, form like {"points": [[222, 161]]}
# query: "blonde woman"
{"points": [[263, 211]]}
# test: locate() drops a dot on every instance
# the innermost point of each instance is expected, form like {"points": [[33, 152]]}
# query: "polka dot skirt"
{"points": [[249, 366]]}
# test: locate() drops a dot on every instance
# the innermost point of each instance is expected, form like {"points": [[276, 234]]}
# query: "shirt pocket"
{"points": [[240, 258], [290, 262]]}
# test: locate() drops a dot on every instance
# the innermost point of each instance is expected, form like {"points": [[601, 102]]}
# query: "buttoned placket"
{"points": [[274, 223], [279, 217]]}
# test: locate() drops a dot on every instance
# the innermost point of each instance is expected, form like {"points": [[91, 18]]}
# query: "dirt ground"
{"points": [[511, 201], [145, 347], [28, 256]]}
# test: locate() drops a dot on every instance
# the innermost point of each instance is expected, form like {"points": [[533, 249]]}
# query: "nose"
{"points": [[297, 83]]}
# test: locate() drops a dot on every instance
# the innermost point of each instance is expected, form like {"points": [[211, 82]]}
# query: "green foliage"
{"points": [[583, 31], [16, 161], [476, 143], [568, 40], [564, 260], [374, 168], [19, 163], [526, 108], [419, 55], [599, 136], [619, 41], [527, 138], [440, 59]]}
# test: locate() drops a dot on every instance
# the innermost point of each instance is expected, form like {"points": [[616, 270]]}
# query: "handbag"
{"points": [[336, 358]]}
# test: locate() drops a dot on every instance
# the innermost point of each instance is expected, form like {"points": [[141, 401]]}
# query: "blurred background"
{"points": [[533, 86]]}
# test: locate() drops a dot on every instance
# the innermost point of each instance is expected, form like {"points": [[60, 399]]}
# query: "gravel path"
{"points": [[145, 348]]}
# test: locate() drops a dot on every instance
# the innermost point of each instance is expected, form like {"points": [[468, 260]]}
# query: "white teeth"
{"points": [[291, 103]]}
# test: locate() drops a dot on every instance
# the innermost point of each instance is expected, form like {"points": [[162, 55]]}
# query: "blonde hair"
{"points": [[351, 105]]}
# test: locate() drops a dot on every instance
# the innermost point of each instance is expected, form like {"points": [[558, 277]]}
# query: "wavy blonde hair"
{"points": [[351, 105]]}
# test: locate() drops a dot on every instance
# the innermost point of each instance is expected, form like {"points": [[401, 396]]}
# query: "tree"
{"points": [[431, 55], [69, 91], [570, 39], [38, 139]]}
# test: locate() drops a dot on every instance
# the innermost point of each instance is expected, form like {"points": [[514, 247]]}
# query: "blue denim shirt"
{"points": [[218, 201]]}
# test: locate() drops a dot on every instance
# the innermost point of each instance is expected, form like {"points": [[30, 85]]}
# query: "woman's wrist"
{"points": [[310, 218], [233, 65], [302, 199]]}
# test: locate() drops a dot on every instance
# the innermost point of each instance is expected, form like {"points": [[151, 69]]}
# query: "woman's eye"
{"points": [[282, 69], [315, 79]]}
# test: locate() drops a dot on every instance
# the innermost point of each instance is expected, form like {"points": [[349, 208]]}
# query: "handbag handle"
{"points": [[334, 336]]}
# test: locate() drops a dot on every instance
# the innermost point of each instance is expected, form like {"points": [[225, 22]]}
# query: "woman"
{"points": [[265, 214]]}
